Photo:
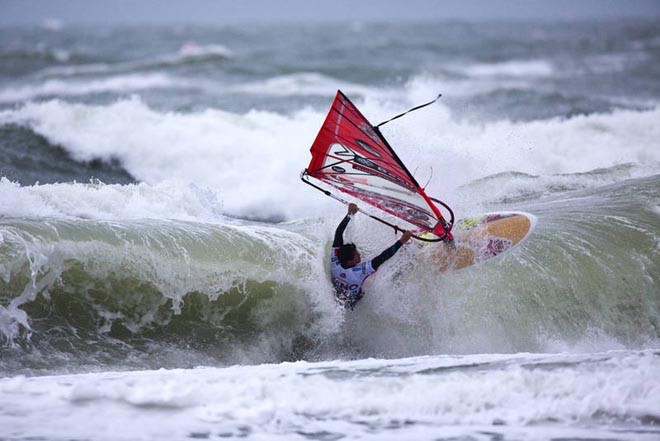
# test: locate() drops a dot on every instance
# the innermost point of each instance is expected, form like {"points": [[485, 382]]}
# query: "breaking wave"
{"points": [[178, 277], [254, 159]]}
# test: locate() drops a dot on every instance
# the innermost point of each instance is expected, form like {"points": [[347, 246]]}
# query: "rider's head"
{"points": [[348, 256]]}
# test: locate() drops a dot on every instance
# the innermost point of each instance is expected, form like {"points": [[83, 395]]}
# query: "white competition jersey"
{"points": [[348, 282]]}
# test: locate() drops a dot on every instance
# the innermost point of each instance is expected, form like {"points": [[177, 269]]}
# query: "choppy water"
{"points": [[151, 216]]}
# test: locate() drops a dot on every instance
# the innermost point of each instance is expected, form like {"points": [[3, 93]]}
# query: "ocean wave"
{"points": [[510, 68], [515, 103], [123, 84], [247, 292], [95, 200], [195, 51], [300, 84], [614, 62], [247, 288], [610, 395], [189, 53], [254, 159], [245, 157], [513, 187], [17, 56]]}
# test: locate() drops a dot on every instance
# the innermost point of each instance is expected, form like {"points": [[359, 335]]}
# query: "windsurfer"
{"points": [[348, 272]]}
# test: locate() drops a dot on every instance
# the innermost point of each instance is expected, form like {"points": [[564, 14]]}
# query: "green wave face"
{"points": [[150, 293]]}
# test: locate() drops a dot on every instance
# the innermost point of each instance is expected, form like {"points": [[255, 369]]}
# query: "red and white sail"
{"points": [[351, 156]]}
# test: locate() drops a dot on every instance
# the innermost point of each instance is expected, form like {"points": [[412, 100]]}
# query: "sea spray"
{"points": [[155, 146], [121, 283], [265, 288]]}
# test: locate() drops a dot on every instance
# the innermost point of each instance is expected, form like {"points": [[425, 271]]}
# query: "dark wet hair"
{"points": [[346, 253]]}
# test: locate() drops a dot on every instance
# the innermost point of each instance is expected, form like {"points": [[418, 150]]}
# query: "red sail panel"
{"points": [[351, 156]]}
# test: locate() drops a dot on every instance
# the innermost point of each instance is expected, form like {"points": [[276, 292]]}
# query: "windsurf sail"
{"points": [[352, 157]]}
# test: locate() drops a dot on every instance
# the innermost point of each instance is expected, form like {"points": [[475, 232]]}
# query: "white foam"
{"points": [[461, 151], [117, 84], [175, 258], [189, 51], [253, 160], [516, 186], [164, 200], [300, 84], [193, 50], [511, 68], [536, 395]]}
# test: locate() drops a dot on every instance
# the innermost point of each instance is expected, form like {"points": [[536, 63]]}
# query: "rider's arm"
{"points": [[389, 252], [339, 233]]}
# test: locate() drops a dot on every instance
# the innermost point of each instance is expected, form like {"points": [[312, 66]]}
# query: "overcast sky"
{"points": [[18, 12]]}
